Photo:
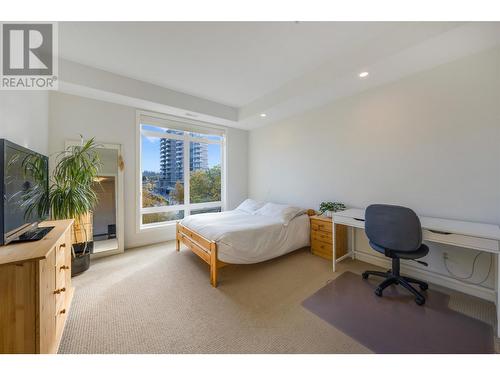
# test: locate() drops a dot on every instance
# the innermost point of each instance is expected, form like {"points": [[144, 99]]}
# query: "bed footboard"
{"points": [[205, 249]]}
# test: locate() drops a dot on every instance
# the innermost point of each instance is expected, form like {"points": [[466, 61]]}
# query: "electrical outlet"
{"points": [[445, 255]]}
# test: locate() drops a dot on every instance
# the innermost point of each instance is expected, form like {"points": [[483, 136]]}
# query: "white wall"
{"points": [[24, 118], [70, 116], [430, 141]]}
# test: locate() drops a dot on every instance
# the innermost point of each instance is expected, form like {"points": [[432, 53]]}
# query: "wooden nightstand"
{"points": [[321, 237]]}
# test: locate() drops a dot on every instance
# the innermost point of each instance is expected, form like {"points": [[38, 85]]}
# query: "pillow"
{"points": [[284, 212], [249, 206]]}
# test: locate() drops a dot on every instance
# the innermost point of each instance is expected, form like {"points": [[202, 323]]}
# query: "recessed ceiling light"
{"points": [[363, 74], [263, 115]]}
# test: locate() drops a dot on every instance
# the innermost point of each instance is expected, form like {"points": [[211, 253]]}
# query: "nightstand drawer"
{"points": [[320, 225], [322, 236], [323, 249]]}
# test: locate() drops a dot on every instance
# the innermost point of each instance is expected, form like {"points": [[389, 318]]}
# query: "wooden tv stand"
{"points": [[35, 291]]}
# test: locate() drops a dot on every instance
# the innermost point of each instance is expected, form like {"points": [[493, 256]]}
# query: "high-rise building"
{"points": [[198, 156], [171, 161]]}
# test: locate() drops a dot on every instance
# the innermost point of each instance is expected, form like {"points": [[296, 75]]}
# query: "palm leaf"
{"points": [[71, 193]]}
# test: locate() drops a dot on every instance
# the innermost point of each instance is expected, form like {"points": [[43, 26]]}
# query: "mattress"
{"points": [[243, 238]]}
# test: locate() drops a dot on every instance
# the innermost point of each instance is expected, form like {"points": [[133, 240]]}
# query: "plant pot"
{"points": [[80, 264]]}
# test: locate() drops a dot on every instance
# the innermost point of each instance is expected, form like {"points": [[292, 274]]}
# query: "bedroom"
{"points": [[263, 187]]}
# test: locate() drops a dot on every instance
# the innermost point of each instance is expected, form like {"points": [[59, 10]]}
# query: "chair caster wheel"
{"points": [[424, 287], [364, 275], [419, 301], [378, 292]]}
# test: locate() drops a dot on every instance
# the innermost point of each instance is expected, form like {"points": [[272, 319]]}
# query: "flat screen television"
{"points": [[24, 192]]}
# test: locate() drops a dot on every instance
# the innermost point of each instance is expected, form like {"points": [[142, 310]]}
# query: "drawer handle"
{"points": [[64, 267], [62, 246], [59, 291], [63, 311], [439, 232]]}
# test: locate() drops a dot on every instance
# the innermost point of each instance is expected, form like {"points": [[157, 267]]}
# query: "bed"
{"points": [[252, 233]]}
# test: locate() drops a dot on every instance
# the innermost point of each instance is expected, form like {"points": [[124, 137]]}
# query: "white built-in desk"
{"points": [[477, 236]]}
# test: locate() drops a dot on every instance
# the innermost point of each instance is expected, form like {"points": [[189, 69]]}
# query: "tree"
{"points": [[160, 217], [177, 194], [150, 199], [205, 185]]}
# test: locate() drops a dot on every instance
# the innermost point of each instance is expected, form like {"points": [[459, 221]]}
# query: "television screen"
{"points": [[25, 175]]}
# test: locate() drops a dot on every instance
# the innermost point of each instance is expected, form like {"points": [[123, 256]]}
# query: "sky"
{"points": [[151, 154]]}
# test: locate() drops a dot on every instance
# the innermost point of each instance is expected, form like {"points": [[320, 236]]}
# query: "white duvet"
{"points": [[243, 238]]}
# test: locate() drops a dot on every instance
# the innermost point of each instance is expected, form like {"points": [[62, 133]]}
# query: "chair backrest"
{"points": [[393, 227]]}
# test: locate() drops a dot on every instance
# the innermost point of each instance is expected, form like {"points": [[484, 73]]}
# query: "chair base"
{"points": [[392, 277]]}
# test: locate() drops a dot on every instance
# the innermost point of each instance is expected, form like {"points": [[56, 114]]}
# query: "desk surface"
{"points": [[467, 228]]}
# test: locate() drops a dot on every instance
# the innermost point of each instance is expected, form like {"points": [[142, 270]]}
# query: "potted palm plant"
{"points": [[72, 196]]}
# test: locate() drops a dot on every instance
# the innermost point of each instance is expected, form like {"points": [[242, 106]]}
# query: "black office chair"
{"points": [[395, 231]]}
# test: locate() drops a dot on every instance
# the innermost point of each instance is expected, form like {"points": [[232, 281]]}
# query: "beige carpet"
{"points": [[155, 300]]}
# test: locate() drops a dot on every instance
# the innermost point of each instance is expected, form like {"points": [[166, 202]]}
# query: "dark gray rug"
{"points": [[394, 323]]}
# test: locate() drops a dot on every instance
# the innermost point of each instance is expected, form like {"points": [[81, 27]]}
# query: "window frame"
{"points": [[170, 122]]}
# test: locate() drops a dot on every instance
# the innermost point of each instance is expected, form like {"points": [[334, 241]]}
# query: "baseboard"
{"points": [[432, 277]]}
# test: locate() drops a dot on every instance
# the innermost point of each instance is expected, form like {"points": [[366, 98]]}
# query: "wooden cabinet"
{"points": [[322, 238], [35, 291]]}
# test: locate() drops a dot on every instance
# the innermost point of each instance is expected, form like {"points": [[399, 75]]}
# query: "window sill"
{"points": [[167, 224]]}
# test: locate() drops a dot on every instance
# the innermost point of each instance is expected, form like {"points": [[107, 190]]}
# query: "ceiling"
{"points": [[253, 66]]}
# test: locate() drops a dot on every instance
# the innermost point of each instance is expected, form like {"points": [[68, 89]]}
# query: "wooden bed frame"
{"points": [[204, 248]]}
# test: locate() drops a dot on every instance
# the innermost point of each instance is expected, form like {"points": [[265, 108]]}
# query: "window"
{"points": [[181, 170]]}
